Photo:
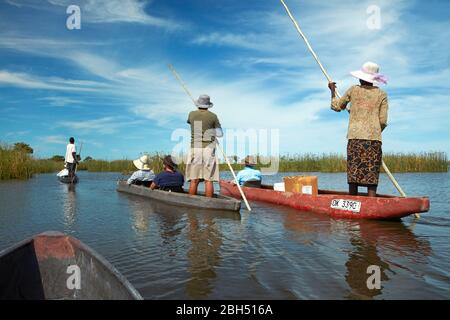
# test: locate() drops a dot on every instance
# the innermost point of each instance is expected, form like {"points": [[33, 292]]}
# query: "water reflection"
{"points": [[204, 254], [306, 228], [371, 243], [194, 235], [375, 243], [363, 255], [69, 205], [140, 212]]}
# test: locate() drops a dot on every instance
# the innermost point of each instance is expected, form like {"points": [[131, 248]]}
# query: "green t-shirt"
{"points": [[203, 127]]}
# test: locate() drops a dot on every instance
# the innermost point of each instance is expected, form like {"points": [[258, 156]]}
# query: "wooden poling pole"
{"points": [[175, 73], [391, 177], [217, 142], [76, 166], [234, 176]]}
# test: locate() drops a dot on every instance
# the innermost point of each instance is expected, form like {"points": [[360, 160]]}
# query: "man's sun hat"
{"points": [[370, 72], [143, 163], [204, 101]]}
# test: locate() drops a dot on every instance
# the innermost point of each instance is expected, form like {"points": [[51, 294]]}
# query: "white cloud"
{"points": [[276, 83], [105, 125], [28, 81], [17, 133], [55, 139], [117, 11], [60, 101]]}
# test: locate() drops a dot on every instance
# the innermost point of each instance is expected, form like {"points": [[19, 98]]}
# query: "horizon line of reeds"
{"points": [[15, 164]]}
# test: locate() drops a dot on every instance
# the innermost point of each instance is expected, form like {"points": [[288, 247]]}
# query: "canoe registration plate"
{"points": [[348, 205]]}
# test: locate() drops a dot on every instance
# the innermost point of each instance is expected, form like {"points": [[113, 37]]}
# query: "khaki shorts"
{"points": [[202, 164]]}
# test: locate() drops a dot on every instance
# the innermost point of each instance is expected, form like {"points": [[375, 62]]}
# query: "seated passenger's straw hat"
{"points": [[204, 101], [370, 72], [143, 163]]}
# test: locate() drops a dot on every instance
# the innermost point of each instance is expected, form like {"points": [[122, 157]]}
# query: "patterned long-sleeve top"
{"points": [[141, 175], [368, 113]]}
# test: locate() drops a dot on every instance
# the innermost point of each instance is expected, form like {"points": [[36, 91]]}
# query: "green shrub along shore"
{"points": [[18, 163]]}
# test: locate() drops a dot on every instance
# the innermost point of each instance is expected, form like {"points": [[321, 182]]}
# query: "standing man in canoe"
{"points": [[202, 163], [71, 157], [368, 118]]}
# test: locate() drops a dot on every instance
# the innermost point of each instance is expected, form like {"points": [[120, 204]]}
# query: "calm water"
{"points": [[270, 253]]}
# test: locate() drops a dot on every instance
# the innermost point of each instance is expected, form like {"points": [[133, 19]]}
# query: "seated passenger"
{"points": [[144, 176], [169, 179], [249, 175]]}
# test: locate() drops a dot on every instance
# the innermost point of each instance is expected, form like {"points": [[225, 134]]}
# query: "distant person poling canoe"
{"points": [[71, 161]]}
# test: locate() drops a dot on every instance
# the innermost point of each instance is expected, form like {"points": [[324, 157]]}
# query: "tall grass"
{"points": [[124, 166], [313, 163], [15, 164], [417, 162], [397, 162]]}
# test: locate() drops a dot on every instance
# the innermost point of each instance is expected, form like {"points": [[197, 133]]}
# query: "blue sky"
{"points": [[109, 86]]}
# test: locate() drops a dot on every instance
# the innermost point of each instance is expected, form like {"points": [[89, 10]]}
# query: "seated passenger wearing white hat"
{"points": [[144, 176]]}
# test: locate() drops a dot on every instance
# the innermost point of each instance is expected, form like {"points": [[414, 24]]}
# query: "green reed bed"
{"points": [[124, 166], [14, 164], [417, 162], [46, 166], [397, 162]]}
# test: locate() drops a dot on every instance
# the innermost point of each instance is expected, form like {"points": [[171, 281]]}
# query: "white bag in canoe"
{"points": [[63, 173]]}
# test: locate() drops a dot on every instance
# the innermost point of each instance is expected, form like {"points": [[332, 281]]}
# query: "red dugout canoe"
{"points": [[334, 203]]}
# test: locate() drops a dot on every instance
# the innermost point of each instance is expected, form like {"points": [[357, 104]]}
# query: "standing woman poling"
{"points": [[368, 118]]}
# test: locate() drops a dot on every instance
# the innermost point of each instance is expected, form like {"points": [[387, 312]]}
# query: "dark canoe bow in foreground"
{"points": [[66, 179], [334, 203], [42, 268], [218, 202]]}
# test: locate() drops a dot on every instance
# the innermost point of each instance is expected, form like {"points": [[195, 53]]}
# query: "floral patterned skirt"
{"points": [[363, 161]]}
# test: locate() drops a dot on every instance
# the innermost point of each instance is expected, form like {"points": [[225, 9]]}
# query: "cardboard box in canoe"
{"points": [[301, 184]]}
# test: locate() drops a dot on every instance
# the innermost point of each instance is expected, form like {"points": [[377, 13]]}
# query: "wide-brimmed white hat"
{"points": [[204, 101], [370, 72], [143, 163]]}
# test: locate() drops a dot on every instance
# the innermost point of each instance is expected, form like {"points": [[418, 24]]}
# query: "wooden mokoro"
{"points": [[48, 265], [66, 179], [334, 203], [218, 202]]}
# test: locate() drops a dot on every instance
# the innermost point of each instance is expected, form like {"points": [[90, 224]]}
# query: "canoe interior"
{"points": [[332, 192], [39, 268]]}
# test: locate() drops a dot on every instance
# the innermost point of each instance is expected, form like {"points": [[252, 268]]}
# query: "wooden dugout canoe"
{"points": [[66, 179], [44, 267], [218, 202], [334, 203]]}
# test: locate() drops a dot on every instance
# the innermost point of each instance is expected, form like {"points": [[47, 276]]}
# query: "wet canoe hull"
{"points": [[49, 265], [219, 202], [68, 180], [333, 203]]}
